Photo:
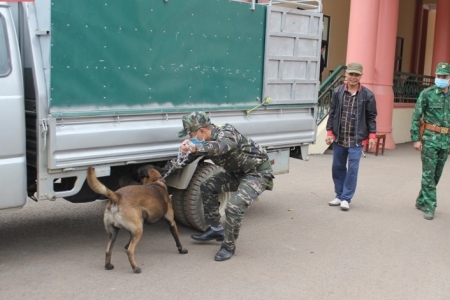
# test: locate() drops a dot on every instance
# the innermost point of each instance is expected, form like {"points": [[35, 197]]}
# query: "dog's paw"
{"points": [[183, 251], [137, 270], [109, 266]]}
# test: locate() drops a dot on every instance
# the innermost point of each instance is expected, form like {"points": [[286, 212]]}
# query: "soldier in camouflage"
{"points": [[246, 171], [433, 109]]}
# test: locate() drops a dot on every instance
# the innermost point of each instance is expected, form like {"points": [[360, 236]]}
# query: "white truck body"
{"points": [[106, 84]]}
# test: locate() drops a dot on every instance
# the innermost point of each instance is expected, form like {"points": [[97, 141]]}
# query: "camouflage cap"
{"points": [[443, 68], [194, 121]]}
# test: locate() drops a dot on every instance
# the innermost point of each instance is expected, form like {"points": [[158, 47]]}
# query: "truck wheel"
{"points": [[193, 205], [178, 206]]}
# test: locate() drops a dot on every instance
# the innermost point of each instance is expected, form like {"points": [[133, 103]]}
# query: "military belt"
{"points": [[264, 166], [435, 128]]}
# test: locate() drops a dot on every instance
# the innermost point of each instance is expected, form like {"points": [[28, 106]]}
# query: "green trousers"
{"points": [[433, 162]]}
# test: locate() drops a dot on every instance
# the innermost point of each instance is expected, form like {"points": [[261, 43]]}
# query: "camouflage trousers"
{"points": [[433, 162], [246, 189]]}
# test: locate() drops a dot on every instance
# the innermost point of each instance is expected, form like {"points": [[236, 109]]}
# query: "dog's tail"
{"points": [[99, 187]]}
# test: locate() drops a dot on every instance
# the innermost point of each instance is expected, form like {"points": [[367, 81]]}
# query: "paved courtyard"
{"points": [[292, 246]]}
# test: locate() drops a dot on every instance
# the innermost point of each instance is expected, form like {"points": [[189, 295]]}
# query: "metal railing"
{"points": [[407, 86], [326, 90]]}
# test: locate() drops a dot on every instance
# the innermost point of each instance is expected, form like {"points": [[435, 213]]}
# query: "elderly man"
{"points": [[246, 170], [351, 125]]}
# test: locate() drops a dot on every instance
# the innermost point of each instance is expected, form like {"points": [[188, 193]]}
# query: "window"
{"points": [[5, 60]]}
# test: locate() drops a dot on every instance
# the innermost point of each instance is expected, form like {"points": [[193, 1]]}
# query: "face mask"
{"points": [[196, 141], [441, 83]]}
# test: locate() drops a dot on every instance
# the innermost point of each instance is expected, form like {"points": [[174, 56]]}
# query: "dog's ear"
{"points": [[143, 171], [154, 175]]}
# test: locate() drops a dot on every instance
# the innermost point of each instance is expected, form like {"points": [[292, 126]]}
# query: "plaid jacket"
{"points": [[366, 113]]}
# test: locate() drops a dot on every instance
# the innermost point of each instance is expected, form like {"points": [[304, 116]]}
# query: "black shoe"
{"points": [[209, 235], [224, 254]]}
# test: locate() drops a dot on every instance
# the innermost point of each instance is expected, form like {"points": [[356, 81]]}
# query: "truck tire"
{"points": [[193, 205], [178, 206]]}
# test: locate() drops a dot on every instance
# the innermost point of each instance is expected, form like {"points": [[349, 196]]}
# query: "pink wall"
{"points": [[384, 67]]}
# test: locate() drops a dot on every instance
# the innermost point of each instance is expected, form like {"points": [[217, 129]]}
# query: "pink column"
{"points": [[441, 46], [384, 67], [362, 37], [371, 42]]}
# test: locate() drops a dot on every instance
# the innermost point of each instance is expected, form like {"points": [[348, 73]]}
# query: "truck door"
{"points": [[12, 116]]}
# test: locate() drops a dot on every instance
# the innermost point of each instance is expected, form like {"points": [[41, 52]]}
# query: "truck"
{"points": [[105, 84]]}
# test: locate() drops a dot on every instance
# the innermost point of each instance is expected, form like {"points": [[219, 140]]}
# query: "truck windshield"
{"points": [[5, 61]]}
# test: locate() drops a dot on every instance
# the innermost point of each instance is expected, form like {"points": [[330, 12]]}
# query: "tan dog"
{"points": [[130, 206]]}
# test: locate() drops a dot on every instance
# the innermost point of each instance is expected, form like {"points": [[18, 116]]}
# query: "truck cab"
{"points": [[12, 118]]}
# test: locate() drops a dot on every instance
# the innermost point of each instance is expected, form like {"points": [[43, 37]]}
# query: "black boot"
{"points": [[224, 254], [209, 235]]}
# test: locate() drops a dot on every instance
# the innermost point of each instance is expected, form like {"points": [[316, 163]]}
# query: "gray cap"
{"points": [[355, 67]]}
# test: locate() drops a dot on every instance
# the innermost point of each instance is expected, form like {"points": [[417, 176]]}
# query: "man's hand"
{"points": [[329, 139], [418, 146], [372, 143], [185, 147]]}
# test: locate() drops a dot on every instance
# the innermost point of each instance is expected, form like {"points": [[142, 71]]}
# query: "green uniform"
{"points": [[433, 106]]}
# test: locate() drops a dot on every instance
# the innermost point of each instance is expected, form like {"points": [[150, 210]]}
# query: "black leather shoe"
{"points": [[224, 254], [209, 235]]}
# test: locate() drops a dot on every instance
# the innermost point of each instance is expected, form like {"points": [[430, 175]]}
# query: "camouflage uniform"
{"points": [[433, 107], [246, 171]]}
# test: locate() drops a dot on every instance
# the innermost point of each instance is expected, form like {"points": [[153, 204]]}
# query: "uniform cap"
{"points": [[193, 122], [355, 68], [443, 68]]}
